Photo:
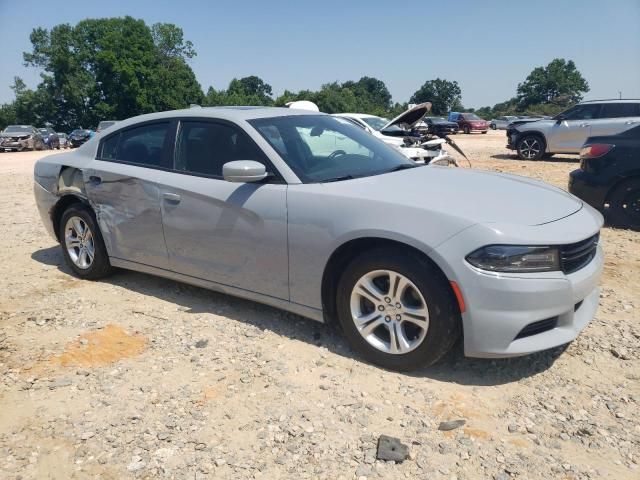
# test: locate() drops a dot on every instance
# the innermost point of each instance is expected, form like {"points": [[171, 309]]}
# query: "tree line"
{"points": [[115, 68]]}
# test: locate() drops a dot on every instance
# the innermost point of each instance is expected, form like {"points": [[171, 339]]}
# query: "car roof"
{"points": [[614, 100], [224, 113]]}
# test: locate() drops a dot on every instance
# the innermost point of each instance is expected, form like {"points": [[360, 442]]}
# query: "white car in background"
{"points": [[394, 132]]}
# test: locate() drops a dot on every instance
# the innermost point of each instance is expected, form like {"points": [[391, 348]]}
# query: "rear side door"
{"points": [[616, 118], [122, 186], [229, 233], [567, 135]]}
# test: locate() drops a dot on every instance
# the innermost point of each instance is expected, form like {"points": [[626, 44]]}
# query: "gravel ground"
{"points": [[140, 377]]}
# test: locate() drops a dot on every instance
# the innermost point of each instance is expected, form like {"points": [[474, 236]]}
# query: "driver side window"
{"points": [[583, 112]]}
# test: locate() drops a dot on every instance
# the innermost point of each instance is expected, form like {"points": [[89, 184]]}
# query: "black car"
{"points": [[79, 136], [50, 137], [609, 177], [440, 126]]}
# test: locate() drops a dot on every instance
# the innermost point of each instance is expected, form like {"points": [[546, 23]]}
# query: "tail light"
{"points": [[595, 150]]}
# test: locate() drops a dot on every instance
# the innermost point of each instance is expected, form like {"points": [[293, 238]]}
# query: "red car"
{"points": [[469, 122]]}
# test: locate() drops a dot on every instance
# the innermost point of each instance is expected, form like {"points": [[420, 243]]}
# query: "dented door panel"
{"points": [[127, 205]]}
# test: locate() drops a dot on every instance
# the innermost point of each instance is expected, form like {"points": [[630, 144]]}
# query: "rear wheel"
{"points": [[530, 147], [624, 204], [466, 129], [82, 244], [493, 126], [397, 310]]}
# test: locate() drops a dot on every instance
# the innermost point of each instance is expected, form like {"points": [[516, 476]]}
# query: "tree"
{"points": [[109, 68], [371, 94], [443, 94], [560, 81], [244, 91]]}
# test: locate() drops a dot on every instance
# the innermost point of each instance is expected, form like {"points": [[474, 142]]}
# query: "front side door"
{"points": [[569, 134], [120, 185], [229, 233]]}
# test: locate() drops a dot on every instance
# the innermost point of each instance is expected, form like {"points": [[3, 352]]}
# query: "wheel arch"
{"points": [[344, 253], [64, 202]]}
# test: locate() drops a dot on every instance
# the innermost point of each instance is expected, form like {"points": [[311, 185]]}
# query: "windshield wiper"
{"points": [[338, 179]]}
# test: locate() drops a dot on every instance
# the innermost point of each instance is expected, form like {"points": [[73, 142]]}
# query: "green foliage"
{"points": [[244, 91], [443, 94], [560, 81], [111, 68]]}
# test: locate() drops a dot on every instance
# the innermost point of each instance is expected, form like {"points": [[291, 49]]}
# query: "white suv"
{"points": [[567, 131]]}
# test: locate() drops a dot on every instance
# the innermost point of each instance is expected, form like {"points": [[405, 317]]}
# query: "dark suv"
{"points": [[609, 177]]}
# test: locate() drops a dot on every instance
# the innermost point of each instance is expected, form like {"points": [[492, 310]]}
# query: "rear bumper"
{"points": [[589, 188], [46, 202]]}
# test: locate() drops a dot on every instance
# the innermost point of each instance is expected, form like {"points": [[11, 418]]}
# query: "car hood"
{"points": [[410, 117], [473, 195]]}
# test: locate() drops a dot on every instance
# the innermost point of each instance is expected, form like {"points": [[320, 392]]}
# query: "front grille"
{"points": [[575, 256], [538, 327]]}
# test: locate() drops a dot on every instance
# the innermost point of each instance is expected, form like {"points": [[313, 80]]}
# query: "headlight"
{"points": [[515, 258]]}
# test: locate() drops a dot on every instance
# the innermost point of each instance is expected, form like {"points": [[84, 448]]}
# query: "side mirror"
{"points": [[244, 171], [560, 118]]}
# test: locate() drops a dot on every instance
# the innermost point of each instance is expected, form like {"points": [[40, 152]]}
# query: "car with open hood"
{"points": [[21, 137], [400, 132], [50, 137], [311, 214], [79, 136]]}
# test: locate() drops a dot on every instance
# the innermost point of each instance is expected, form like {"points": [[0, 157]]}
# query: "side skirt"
{"points": [[302, 310]]}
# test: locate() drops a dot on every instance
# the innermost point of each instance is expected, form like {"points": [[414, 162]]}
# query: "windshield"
{"points": [[80, 132], [375, 122], [321, 148], [470, 116], [437, 119], [18, 129]]}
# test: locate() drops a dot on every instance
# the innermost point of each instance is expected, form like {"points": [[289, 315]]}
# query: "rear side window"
{"points": [[108, 148], [617, 110], [143, 145], [204, 147]]}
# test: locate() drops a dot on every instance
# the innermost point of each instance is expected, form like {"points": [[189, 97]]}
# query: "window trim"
{"points": [[275, 175], [166, 157]]}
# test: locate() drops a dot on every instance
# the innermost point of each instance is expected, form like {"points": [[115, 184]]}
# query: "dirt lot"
{"points": [[140, 377]]}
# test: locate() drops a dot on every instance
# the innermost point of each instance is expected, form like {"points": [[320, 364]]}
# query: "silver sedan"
{"points": [[308, 213]]}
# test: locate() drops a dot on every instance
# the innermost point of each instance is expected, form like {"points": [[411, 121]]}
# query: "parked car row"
{"points": [[26, 137]]}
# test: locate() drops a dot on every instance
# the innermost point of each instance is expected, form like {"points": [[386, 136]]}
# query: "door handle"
{"points": [[95, 180], [171, 197], [630, 122], [585, 124]]}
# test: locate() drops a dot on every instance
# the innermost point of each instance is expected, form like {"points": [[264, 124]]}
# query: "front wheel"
{"points": [[624, 205], [466, 130], [397, 310], [82, 244], [530, 147]]}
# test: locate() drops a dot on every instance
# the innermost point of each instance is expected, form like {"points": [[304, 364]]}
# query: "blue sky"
{"points": [[488, 46]]}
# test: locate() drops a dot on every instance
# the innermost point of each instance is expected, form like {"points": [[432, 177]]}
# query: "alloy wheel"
{"points": [[530, 147], [389, 312], [79, 242]]}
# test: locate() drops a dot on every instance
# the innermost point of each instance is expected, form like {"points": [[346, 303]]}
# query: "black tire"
{"points": [[466, 129], [484, 133], [444, 318], [530, 147], [624, 204], [493, 126], [548, 155], [100, 266]]}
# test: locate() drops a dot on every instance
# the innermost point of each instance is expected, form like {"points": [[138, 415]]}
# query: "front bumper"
{"points": [[16, 144], [504, 311]]}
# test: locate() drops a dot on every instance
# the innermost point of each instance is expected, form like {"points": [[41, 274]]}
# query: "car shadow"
{"points": [[453, 368], [554, 159]]}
